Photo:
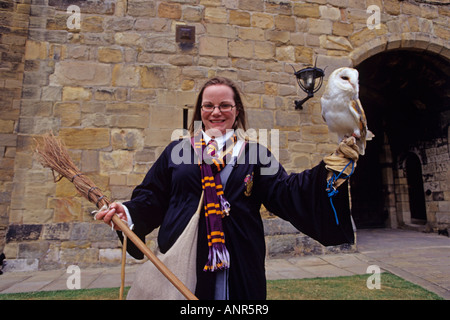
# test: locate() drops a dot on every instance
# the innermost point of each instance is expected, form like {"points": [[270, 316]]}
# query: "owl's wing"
{"points": [[357, 111]]}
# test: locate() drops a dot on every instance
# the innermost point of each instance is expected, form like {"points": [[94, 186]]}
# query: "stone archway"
{"points": [[406, 41], [405, 95]]}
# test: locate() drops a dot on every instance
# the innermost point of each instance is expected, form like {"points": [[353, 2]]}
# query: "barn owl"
{"points": [[342, 110]]}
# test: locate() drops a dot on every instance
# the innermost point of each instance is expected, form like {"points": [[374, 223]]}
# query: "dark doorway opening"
{"points": [[405, 96], [415, 189]]}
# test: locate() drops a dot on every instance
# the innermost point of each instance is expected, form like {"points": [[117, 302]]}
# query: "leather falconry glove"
{"points": [[336, 162]]}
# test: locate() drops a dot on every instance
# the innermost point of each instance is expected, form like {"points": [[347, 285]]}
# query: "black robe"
{"points": [[169, 196]]}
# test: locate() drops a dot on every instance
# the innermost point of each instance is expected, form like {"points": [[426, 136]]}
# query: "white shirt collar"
{"points": [[220, 140], [223, 139]]}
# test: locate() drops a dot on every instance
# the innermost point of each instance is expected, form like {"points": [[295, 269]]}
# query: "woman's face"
{"points": [[218, 95]]}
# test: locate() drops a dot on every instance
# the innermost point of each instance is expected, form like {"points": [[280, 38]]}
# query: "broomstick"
{"points": [[54, 155]]}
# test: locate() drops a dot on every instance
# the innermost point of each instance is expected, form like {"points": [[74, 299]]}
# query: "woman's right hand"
{"points": [[106, 215]]}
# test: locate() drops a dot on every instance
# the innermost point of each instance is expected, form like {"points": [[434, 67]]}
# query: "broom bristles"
{"points": [[54, 155]]}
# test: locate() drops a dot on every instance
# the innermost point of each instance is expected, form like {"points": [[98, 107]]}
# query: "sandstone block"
{"points": [[342, 29], [166, 118], [169, 10], [23, 232], [88, 138], [260, 119], [287, 119], [392, 7], [330, 13], [221, 30], [22, 265], [213, 46], [156, 138], [128, 121], [159, 44], [125, 75], [241, 49], [35, 50], [251, 5], [279, 7], [69, 113], [76, 93], [363, 36], [110, 256], [81, 257], [410, 8], [264, 50], [181, 60], [92, 24], [81, 73], [56, 231], [216, 15], [89, 161], [143, 95], [160, 77], [141, 8], [304, 54], [109, 94], [262, 20], [127, 139], [306, 10], [240, 18], [128, 38], [132, 115], [65, 209], [194, 14], [6, 126], [118, 161], [277, 36], [316, 26], [134, 179], [187, 85], [285, 53], [302, 161], [316, 133], [108, 55], [251, 34], [285, 23], [335, 43]]}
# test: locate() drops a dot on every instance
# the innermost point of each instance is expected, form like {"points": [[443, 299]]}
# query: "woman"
{"points": [[170, 192]]}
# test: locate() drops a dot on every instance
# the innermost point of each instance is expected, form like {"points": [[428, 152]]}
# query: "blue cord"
{"points": [[332, 191]]}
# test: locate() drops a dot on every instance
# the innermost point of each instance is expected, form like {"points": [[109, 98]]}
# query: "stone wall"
{"points": [[13, 35], [434, 157], [114, 87]]}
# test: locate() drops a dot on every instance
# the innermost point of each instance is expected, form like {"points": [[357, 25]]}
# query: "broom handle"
{"points": [[152, 257]]}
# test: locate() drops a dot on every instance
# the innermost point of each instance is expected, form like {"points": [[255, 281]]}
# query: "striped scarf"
{"points": [[215, 204]]}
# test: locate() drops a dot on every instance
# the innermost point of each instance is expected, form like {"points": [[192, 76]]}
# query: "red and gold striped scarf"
{"points": [[216, 206]]}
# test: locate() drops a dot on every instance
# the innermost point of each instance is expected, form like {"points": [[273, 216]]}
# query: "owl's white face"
{"points": [[345, 79]]}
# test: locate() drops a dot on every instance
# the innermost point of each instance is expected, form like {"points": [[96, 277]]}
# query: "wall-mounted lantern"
{"points": [[306, 79]]}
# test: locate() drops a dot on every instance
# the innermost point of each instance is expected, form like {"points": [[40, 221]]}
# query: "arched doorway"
{"points": [[413, 169], [405, 94]]}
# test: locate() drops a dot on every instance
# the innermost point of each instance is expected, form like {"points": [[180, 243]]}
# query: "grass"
{"points": [[338, 288], [347, 288]]}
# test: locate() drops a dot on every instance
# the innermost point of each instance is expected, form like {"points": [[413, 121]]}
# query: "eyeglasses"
{"points": [[209, 107]]}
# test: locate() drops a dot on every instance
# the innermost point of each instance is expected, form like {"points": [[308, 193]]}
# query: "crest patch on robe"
{"points": [[248, 182]]}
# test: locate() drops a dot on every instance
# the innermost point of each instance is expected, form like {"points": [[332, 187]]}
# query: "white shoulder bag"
{"points": [[150, 284]]}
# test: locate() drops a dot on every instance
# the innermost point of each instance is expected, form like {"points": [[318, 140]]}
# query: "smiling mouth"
{"points": [[216, 121]]}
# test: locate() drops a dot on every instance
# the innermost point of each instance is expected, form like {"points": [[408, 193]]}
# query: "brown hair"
{"points": [[240, 121]]}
